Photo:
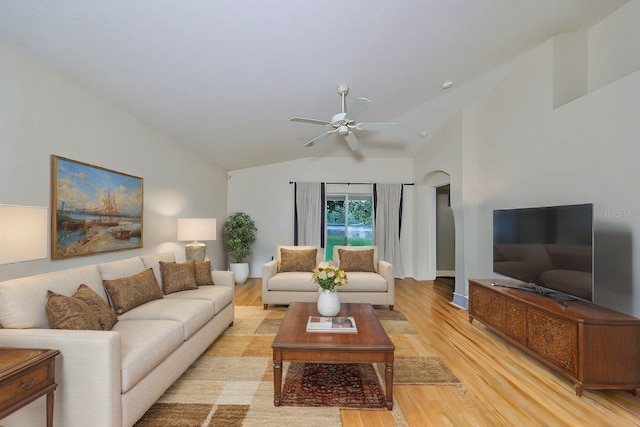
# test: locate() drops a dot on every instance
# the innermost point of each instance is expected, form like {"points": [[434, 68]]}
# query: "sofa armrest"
{"points": [[269, 270], [87, 373], [385, 269], [224, 278]]}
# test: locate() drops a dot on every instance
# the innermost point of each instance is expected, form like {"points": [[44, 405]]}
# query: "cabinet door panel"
{"points": [[554, 339], [516, 322], [488, 306]]}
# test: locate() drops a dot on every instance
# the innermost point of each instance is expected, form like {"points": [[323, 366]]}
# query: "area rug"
{"points": [[351, 385], [231, 383]]}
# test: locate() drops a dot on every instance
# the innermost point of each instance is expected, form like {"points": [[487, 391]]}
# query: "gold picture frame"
{"points": [[93, 209]]}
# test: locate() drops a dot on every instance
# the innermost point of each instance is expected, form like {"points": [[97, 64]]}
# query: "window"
{"points": [[349, 220]]}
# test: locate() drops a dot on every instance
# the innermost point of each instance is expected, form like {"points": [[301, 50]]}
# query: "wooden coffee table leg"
{"points": [[277, 377], [388, 381], [50, 409]]}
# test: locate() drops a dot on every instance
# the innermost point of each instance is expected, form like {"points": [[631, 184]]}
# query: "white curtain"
{"points": [[388, 214], [309, 214]]}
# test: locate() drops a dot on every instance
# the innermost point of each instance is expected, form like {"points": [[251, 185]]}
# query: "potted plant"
{"points": [[240, 234]]}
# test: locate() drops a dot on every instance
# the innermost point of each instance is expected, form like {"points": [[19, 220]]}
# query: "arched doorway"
{"points": [[435, 227]]}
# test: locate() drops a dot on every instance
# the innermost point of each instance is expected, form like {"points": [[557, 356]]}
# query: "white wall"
{"points": [[526, 153], [43, 113], [265, 194]]}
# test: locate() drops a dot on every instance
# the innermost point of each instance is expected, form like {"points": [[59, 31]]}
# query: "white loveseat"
{"points": [[285, 282], [112, 377]]}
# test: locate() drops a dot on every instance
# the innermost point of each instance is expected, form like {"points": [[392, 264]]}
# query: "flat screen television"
{"points": [[550, 249]]}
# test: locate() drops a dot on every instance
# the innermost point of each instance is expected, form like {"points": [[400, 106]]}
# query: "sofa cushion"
{"points": [[121, 268], [297, 259], [66, 312], [360, 281], [101, 310], [144, 344], [178, 276], [356, 260], [220, 296], [129, 292], [336, 254], [192, 314], [153, 261], [292, 281], [203, 273], [22, 300], [319, 253]]}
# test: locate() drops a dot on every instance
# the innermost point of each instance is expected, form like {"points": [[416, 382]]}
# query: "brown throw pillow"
{"points": [[69, 313], [297, 259], [178, 276], [356, 260], [129, 292], [106, 317], [203, 273]]}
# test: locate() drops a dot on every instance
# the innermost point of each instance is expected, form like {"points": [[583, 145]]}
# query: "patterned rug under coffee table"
{"points": [[231, 384]]}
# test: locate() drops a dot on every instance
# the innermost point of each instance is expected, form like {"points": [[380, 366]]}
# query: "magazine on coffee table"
{"points": [[332, 324]]}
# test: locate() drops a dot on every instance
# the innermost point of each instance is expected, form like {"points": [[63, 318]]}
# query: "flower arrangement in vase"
{"points": [[328, 278]]}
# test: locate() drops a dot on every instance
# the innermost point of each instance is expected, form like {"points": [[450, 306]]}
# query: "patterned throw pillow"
{"points": [[356, 260], [70, 313], [203, 273], [106, 317], [178, 276], [297, 259], [129, 292]]}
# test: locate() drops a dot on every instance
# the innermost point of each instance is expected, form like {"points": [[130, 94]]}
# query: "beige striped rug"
{"points": [[231, 384]]}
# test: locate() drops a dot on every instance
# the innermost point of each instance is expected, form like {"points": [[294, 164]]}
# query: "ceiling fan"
{"points": [[344, 122]]}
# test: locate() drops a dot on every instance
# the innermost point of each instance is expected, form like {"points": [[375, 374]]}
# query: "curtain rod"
{"points": [[354, 183]]}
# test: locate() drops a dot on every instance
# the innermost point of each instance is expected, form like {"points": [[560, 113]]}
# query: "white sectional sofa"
{"points": [[374, 283], [112, 377]]}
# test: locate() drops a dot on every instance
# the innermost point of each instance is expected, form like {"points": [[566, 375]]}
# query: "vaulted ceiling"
{"points": [[225, 76]]}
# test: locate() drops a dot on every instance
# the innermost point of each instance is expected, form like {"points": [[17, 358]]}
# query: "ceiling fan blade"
{"points": [[357, 108], [312, 121], [377, 126], [353, 142], [319, 138]]}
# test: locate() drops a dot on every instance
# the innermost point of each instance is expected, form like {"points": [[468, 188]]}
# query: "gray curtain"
{"points": [[388, 215], [309, 214]]}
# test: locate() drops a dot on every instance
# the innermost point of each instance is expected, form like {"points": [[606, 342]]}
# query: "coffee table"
{"points": [[293, 343]]}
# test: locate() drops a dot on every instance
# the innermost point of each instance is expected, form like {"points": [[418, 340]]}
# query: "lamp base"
{"points": [[195, 251]]}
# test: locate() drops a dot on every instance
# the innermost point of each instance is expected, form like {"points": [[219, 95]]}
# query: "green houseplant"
{"points": [[239, 234]]}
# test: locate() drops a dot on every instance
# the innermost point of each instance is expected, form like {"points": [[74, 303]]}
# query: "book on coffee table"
{"points": [[332, 324]]}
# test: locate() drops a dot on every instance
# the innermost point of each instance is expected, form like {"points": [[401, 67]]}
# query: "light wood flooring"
{"points": [[507, 387]]}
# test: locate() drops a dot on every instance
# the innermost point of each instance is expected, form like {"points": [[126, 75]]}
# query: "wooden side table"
{"points": [[25, 375]]}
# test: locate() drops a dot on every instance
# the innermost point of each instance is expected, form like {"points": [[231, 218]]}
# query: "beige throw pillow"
{"points": [[69, 313], [297, 259], [129, 292], [106, 317], [203, 273], [178, 276], [356, 260]]}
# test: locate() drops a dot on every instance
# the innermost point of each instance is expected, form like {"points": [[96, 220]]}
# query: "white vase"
{"points": [[328, 303], [240, 271]]}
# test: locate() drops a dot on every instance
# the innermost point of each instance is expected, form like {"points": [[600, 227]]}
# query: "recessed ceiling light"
{"points": [[424, 134], [447, 84]]}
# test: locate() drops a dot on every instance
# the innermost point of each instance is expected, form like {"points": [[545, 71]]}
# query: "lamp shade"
{"points": [[196, 229], [23, 233]]}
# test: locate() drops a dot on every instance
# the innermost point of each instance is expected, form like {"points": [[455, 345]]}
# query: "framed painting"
{"points": [[94, 210]]}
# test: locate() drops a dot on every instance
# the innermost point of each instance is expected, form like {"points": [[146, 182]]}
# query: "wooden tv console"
{"points": [[594, 347]]}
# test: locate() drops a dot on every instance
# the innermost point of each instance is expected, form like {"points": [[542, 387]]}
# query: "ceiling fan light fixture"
{"points": [[343, 130]]}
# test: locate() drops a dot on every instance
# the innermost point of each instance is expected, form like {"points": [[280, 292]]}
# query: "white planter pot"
{"points": [[328, 303], [240, 271]]}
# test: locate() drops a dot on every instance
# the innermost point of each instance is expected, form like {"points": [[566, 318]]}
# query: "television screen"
{"points": [[551, 247]]}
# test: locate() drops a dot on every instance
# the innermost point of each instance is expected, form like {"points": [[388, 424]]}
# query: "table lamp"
{"points": [[196, 229], [23, 233]]}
